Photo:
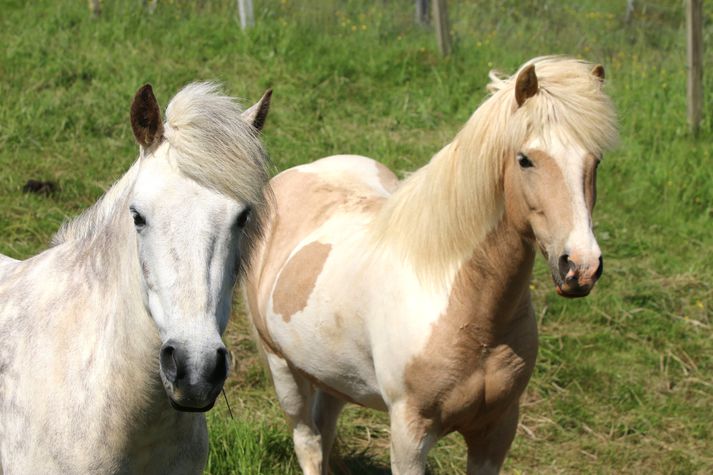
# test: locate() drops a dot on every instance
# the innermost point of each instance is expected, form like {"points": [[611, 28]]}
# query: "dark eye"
{"points": [[243, 217], [523, 161], [139, 220]]}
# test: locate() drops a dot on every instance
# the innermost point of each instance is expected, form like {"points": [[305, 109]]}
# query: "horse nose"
{"points": [[575, 279], [570, 273], [192, 382]]}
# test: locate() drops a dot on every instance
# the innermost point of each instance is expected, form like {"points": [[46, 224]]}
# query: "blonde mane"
{"points": [[217, 147], [441, 213], [214, 146]]}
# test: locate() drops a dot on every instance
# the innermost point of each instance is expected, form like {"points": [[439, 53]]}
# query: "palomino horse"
{"points": [[111, 339], [414, 297]]}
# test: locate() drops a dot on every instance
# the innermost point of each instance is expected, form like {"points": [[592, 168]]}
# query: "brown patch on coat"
{"points": [[481, 351], [146, 117], [298, 278]]}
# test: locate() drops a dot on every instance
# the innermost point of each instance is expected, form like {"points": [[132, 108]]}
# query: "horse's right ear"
{"points": [[146, 117], [525, 85]]}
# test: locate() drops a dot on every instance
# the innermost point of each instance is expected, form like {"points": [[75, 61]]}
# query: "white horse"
{"points": [[111, 339], [413, 297]]}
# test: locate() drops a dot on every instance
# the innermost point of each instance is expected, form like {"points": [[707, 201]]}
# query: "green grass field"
{"points": [[624, 379]]}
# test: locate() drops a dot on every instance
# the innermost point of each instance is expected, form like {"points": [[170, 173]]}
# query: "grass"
{"points": [[623, 380]]}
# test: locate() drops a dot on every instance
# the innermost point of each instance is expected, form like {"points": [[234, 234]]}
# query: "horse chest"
{"points": [[484, 391], [468, 385]]}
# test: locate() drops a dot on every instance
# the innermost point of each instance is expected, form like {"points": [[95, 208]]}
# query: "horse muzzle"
{"points": [[575, 280], [192, 384]]}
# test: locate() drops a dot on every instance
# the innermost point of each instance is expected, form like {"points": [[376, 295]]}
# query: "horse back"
{"points": [[308, 196]]}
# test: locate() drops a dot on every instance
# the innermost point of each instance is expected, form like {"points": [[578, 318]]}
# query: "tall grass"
{"points": [[623, 381]]}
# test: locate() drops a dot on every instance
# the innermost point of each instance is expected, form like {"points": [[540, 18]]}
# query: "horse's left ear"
{"points": [[525, 85], [598, 71], [146, 117], [257, 113]]}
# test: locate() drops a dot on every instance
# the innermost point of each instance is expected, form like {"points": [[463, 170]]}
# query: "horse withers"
{"points": [[111, 339], [413, 297]]}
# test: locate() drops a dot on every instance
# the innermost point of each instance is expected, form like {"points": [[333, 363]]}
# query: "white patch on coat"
{"points": [[571, 159]]}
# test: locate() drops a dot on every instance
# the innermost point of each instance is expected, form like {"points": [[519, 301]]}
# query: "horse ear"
{"points": [[598, 71], [525, 85], [146, 117], [257, 113]]}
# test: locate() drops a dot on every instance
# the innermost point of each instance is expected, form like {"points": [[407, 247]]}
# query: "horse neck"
{"points": [[117, 318], [99, 216], [110, 257], [140, 415], [493, 283]]}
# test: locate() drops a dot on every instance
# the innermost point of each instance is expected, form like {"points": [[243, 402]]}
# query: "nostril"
{"points": [[563, 265], [168, 363], [600, 269], [220, 372]]}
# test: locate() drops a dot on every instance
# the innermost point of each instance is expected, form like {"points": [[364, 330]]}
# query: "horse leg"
{"points": [[487, 450], [410, 441], [326, 413], [296, 396]]}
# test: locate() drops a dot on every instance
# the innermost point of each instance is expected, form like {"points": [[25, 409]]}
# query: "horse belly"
{"points": [[326, 338], [330, 349], [313, 307]]}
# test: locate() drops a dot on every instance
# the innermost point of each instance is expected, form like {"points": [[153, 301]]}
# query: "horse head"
{"points": [[565, 122], [193, 207]]}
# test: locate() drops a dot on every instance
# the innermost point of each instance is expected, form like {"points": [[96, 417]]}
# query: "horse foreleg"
{"points": [[296, 396], [326, 413], [410, 441], [487, 450]]}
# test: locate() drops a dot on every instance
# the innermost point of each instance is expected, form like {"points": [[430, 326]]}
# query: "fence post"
{"points": [[443, 32], [150, 5], [629, 11], [422, 12], [245, 8], [694, 27], [95, 8]]}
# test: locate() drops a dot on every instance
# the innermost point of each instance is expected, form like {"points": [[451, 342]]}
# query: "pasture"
{"points": [[623, 381]]}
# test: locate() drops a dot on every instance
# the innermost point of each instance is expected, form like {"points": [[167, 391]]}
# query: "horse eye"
{"points": [[523, 161], [243, 218], [139, 220]]}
